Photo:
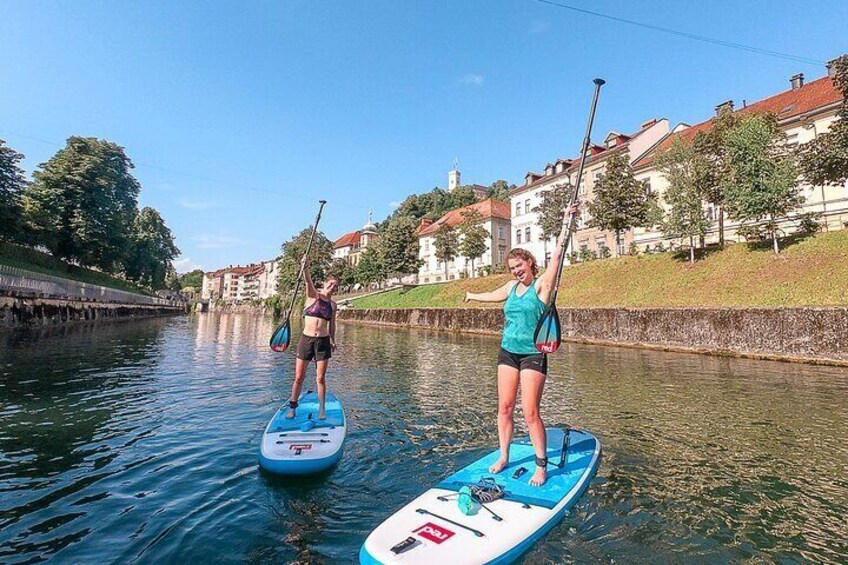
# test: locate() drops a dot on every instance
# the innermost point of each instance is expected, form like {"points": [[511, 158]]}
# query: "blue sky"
{"points": [[241, 115]]}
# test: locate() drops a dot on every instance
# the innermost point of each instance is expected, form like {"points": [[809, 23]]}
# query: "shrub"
{"points": [[809, 223]]}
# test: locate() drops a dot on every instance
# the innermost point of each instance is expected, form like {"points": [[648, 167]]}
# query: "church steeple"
{"points": [[453, 176]]}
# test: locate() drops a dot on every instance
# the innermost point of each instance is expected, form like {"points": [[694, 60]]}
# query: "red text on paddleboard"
{"points": [[433, 532]]}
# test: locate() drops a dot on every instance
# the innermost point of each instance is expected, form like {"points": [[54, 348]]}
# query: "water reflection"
{"points": [[137, 443]]}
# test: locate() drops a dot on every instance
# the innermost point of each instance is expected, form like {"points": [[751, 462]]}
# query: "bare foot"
{"points": [[290, 414], [539, 477], [499, 465], [322, 415]]}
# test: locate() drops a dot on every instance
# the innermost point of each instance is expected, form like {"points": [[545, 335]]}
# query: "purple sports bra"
{"points": [[320, 309]]}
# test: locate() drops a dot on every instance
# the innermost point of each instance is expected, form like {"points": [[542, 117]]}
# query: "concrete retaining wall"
{"points": [[810, 335], [18, 312]]}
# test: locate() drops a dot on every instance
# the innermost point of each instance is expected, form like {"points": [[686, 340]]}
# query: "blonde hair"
{"points": [[524, 255]]}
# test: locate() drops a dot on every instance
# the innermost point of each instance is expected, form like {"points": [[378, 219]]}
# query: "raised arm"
{"points": [[498, 295], [548, 278], [311, 291]]}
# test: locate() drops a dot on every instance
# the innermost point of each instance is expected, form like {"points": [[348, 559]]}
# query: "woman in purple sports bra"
{"points": [[318, 339]]}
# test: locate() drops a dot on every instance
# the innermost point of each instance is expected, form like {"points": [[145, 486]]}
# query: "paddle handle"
{"points": [[302, 265], [570, 219]]}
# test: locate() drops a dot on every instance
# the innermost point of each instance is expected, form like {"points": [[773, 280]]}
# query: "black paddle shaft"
{"points": [[303, 265], [599, 82]]}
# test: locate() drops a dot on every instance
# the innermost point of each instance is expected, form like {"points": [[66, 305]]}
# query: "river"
{"points": [[136, 442]]}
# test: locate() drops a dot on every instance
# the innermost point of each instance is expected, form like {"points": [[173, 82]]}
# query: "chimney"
{"points": [[831, 68], [797, 81], [726, 106], [649, 123], [425, 223]]}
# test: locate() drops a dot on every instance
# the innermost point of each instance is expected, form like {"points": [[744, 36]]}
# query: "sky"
{"points": [[240, 116]]}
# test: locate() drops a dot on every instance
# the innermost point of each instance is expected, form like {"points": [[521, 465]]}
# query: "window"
{"points": [[547, 259], [527, 206], [527, 234], [501, 234], [501, 254], [621, 249], [792, 140], [647, 185], [518, 208], [518, 236]]}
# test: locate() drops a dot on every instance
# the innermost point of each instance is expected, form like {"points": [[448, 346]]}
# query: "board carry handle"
{"points": [[477, 533]]}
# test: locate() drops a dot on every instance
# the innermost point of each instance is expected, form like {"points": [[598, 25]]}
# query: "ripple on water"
{"points": [[138, 444]]}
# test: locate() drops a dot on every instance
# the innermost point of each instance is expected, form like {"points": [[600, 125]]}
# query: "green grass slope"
{"points": [[808, 272], [33, 260]]}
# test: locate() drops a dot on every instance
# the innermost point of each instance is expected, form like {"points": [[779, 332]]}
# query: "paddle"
{"points": [[281, 337], [548, 335]]}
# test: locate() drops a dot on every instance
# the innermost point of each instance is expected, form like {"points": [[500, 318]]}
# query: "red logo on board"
{"points": [[433, 532]]}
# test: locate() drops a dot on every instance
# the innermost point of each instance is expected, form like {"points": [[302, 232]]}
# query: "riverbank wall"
{"points": [[24, 312], [806, 335]]}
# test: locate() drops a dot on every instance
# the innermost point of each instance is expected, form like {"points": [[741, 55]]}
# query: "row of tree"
{"points": [[82, 207], [742, 166], [395, 252]]}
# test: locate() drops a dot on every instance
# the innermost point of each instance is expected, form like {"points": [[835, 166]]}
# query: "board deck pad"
{"points": [[433, 529], [308, 410]]}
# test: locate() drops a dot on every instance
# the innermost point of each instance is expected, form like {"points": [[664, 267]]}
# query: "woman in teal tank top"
{"points": [[519, 362]]}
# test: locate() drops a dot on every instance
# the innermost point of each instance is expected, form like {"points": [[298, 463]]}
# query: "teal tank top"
{"points": [[522, 314]]}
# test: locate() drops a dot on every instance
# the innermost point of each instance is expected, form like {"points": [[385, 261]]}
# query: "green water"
{"points": [[136, 442]]}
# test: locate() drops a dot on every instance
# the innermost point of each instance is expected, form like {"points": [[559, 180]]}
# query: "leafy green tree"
{"points": [[825, 159], [550, 209], [83, 201], [446, 245], [320, 257], [620, 201], [370, 268], [461, 196], [340, 269], [12, 184], [474, 236], [686, 171], [501, 190], [711, 145], [762, 183], [192, 278], [434, 204], [151, 250], [399, 244]]}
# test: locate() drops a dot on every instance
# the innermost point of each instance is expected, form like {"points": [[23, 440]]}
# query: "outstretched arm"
{"points": [[311, 291], [498, 295]]}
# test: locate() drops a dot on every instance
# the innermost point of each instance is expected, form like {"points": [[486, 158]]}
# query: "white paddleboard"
{"points": [[304, 444], [431, 530]]}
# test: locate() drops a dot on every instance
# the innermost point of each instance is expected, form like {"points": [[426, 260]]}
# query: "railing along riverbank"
{"points": [[29, 298], [806, 335]]}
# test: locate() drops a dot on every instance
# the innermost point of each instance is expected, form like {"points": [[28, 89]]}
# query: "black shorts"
{"points": [[318, 348], [532, 361]]}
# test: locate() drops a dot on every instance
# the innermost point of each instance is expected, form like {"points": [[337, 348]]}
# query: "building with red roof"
{"points": [[804, 111], [526, 230], [496, 222], [351, 246]]}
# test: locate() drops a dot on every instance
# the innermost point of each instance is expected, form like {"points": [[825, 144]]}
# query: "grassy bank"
{"points": [[33, 260], [808, 272]]}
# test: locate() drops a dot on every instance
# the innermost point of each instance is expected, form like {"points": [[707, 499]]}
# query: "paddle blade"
{"points": [[281, 337], [548, 334]]}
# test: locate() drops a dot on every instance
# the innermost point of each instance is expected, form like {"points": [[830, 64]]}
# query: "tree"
{"points": [[474, 236], [151, 250], [763, 175], [340, 269], [192, 278], [320, 257], [550, 209], [12, 184], [825, 158], [620, 201], [434, 204], [83, 201], [686, 171], [446, 245], [370, 268], [501, 190], [399, 244]]}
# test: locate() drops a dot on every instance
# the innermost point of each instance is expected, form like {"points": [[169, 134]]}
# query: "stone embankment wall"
{"points": [[19, 312], [809, 335]]}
